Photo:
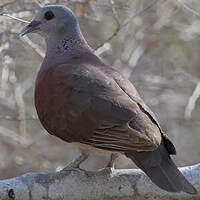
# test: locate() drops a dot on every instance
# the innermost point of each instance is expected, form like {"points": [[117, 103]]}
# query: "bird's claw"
{"points": [[74, 165], [107, 170], [103, 171]]}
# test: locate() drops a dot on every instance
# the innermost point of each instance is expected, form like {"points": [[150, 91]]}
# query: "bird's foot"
{"points": [[98, 172], [74, 165], [106, 170]]}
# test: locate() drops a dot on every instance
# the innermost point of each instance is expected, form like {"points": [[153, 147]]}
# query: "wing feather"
{"points": [[119, 138]]}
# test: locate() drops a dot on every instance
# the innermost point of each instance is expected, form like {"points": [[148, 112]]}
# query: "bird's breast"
{"points": [[53, 102]]}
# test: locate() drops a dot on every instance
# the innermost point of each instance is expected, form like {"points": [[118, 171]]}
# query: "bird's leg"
{"points": [[76, 162], [111, 162], [106, 170], [74, 165]]}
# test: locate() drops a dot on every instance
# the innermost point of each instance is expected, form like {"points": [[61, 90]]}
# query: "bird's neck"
{"points": [[63, 47]]}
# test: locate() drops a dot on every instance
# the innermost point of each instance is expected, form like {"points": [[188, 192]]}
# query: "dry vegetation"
{"points": [[153, 43]]}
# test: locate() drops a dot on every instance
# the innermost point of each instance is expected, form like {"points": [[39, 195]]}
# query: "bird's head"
{"points": [[52, 20]]}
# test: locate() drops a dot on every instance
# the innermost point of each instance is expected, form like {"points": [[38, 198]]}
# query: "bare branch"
{"points": [[20, 104], [33, 46], [139, 13], [187, 7], [10, 12], [121, 26], [15, 18], [12, 118], [38, 3], [73, 183], [102, 49], [116, 30], [109, 38], [12, 137], [7, 3], [192, 101], [114, 12]]}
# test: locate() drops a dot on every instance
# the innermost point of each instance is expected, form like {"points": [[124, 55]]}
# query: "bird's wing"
{"points": [[130, 90], [105, 109], [121, 122], [120, 138]]}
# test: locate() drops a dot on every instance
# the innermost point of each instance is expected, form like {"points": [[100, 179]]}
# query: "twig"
{"points": [[15, 18], [189, 8], [121, 26], [20, 106], [192, 101], [19, 11], [38, 3], [14, 137], [11, 118], [105, 47], [139, 13], [114, 12], [7, 3], [109, 38], [33, 46], [116, 30]]}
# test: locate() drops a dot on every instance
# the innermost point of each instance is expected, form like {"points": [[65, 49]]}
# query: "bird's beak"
{"points": [[31, 27]]}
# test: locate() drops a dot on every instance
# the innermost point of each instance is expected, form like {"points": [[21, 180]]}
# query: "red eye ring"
{"points": [[49, 15]]}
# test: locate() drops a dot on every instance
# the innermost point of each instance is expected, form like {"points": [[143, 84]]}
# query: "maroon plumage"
{"points": [[80, 99]]}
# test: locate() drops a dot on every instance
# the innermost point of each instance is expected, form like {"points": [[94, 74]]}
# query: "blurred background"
{"points": [[154, 43]]}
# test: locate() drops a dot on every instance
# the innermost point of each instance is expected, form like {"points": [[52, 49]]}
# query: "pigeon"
{"points": [[85, 102]]}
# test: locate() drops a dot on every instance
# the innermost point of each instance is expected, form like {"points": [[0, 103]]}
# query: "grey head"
{"points": [[52, 19], [59, 26]]}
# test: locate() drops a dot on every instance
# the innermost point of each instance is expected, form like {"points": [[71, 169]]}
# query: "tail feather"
{"points": [[161, 170]]}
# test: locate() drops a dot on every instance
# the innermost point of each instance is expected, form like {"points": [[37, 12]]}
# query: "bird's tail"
{"points": [[161, 170]]}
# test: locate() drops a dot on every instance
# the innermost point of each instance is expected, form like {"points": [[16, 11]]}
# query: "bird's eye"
{"points": [[49, 15]]}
